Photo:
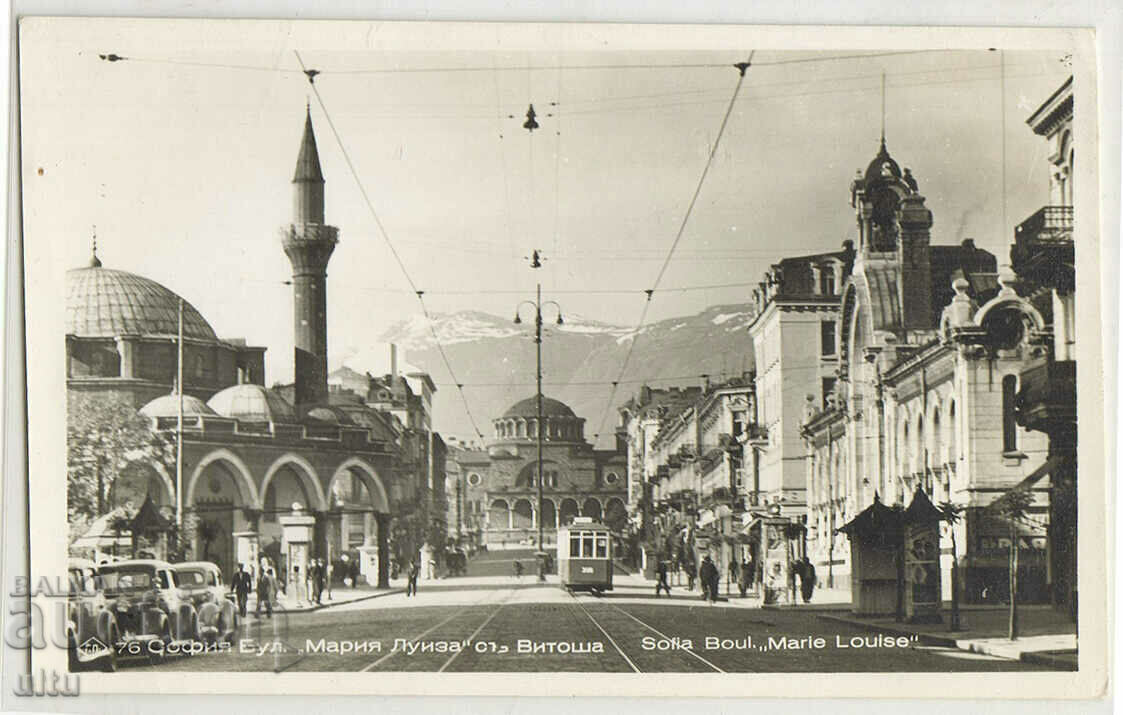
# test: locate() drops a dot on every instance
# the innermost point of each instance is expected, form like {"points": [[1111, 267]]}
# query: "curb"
{"points": [[326, 606], [1052, 659]]}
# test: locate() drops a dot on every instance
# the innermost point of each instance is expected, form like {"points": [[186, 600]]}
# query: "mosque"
{"points": [[348, 466]]}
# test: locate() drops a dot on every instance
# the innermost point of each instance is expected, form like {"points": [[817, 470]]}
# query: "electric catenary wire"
{"points": [[741, 68], [311, 74]]}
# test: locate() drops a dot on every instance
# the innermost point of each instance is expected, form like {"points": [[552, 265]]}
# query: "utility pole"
{"points": [[179, 429], [536, 262]]}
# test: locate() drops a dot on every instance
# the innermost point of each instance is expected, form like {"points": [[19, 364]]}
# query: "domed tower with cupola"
{"points": [[893, 243]]}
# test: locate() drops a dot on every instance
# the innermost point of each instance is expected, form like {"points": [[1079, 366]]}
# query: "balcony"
{"points": [[1043, 249]]}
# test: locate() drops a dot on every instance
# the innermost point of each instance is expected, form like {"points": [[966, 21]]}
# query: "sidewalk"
{"points": [[1047, 637], [339, 596]]}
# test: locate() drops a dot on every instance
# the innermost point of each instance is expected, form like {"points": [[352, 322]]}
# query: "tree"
{"points": [[103, 437], [951, 513], [1012, 506]]}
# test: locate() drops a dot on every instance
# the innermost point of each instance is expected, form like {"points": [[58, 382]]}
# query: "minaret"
{"points": [[309, 243]]}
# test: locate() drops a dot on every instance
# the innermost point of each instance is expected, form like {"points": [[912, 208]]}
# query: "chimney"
{"points": [[393, 361]]}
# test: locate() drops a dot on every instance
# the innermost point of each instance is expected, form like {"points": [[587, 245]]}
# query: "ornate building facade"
{"points": [[354, 466], [499, 493]]}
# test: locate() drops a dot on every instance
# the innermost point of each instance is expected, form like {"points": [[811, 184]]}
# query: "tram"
{"points": [[585, 556]]}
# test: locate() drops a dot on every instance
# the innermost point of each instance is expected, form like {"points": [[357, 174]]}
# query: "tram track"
{"points": [[635, 668], [485, 601]]}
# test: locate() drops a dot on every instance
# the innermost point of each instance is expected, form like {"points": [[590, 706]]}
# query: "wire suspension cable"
{"points": [[386, 237], [742, 67]]}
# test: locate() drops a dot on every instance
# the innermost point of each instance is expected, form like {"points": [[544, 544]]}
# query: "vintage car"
{"points": [[91, 627], [152, 613], [201, 582]]}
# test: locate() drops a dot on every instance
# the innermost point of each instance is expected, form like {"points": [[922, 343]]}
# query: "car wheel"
{"points": [[72, 654], [109, 662]]}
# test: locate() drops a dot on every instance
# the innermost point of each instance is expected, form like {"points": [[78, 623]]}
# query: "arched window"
{"points": [[1009, 425], [953, 441]]}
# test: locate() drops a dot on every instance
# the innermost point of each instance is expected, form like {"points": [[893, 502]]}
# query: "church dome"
{"points": [[253, 403], [168, 406], [106, 303], [529, 408]]}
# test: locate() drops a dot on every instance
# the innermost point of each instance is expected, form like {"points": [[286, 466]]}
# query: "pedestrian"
{"points": [[734, 572], [518, 569], [709, 576], [432, 573], [265, 593], [746, 577], [661, 576], [411, 575], [688, 566], [354, 573], [318, 580], [241, 585], [807, 580]]}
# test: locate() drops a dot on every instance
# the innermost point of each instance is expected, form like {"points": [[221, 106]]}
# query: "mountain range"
{"points": [[495, 361]]}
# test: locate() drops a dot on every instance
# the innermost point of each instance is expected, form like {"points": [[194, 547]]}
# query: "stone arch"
{"points": [[615, 514], [242, 478], [369, 478], [153, 472], [593, 508], [499, 514], [549, 515], [305, 472], [568, 510], [522, 514]]}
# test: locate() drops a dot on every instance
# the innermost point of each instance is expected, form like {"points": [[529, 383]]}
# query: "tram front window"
{"points": [[587, 545], [602, 546], [575, 546]]}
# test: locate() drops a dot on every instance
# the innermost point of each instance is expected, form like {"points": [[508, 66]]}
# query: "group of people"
{"points": [[308, 587], [740, 573]]}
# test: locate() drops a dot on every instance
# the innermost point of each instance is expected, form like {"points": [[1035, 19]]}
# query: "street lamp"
{"points": [[537, 304]]}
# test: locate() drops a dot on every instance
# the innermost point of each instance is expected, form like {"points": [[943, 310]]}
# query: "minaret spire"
{"points": [[95, 262], [309, 243]]}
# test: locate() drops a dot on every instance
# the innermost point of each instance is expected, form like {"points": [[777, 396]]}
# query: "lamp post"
{"points": [[537, 305]]}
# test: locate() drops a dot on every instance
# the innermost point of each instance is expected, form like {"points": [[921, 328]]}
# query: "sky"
{"points": [[182, 156]]}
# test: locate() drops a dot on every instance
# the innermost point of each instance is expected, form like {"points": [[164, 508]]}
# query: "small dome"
{"points": [[328, 415], [529, 408], [253, 403], [105, 303], [882, 165], [168, 406]]}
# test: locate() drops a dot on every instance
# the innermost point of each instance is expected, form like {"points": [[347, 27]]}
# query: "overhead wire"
{"points": [[386, 237], [742, 68]]}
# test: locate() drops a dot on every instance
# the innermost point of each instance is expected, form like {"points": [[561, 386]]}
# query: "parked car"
{"points": [[201, 583], [91, 627], [152, 614]]}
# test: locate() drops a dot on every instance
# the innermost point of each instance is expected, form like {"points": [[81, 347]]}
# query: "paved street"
{"points": [[476, 624]]}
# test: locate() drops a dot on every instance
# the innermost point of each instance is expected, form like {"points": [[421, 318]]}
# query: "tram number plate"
{"points": [[586, 569]]}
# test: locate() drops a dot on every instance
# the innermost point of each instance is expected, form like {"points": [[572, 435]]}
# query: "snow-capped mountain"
{"points": [[494, 359]]}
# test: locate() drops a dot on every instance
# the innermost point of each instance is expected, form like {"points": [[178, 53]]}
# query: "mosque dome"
{"points": [[529, 408], [105, 303], [168, 406], [253, 403], [329, 414]]}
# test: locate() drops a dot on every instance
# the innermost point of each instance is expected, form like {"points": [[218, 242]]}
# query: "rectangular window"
{"points": [[575, 546], [826, 337], [1009, 425], [827, 282], [602, 546], [586, 545]]}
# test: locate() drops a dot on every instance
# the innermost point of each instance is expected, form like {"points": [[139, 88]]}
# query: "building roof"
{"points": [[105, 303], [253, 403], [882, 167], [308, 161], [168, 406], [529, 408]]}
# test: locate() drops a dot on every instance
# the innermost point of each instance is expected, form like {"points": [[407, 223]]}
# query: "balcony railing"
{"points": [[1049, 224]]}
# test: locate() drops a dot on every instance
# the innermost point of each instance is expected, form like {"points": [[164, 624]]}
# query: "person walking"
{"points": [[518, 569], [807, 580], [691, 573], [318, 581], [241, 584], [412, 574], [661, 579], [709, 576], [746, 577], [734, 573], [265, 593]]}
